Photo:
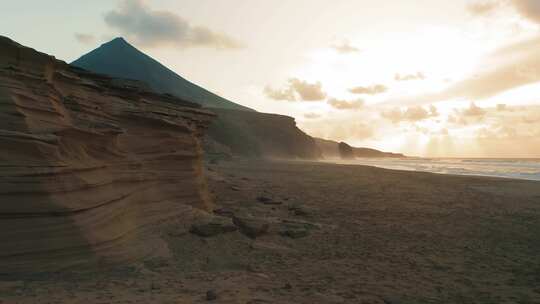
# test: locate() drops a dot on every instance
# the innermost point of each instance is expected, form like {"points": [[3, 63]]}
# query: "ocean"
{"points": [[528, 169]]}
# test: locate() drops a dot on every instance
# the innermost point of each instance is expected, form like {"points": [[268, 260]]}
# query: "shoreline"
{"points": [[370, 163]]}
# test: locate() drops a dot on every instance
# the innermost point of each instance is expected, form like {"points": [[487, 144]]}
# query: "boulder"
{"points": [[268, 201], [212, 227], [251, 227], [295, 232]]}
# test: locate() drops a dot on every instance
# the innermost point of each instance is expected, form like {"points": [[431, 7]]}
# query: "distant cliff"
{"points": [[345, 151], [254, 134], [91, 166], [331, 149]]}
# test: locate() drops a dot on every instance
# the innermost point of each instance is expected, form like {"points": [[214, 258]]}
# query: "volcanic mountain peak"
{"points": [[118, 58]]}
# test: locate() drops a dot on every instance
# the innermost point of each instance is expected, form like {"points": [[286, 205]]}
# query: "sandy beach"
{"points": [[306, 232]]}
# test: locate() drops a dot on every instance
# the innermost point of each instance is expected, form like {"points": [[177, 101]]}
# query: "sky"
{"points": [[432, 78]]}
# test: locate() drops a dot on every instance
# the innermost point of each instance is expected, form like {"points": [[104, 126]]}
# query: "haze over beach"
{"points": [[249, 151]]}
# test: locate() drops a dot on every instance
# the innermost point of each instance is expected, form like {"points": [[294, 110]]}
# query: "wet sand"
{"points": [[335, 234]]}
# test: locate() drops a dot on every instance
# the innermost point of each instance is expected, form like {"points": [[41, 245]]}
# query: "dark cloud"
{"points": [[345, 48], [341, 104], [297, 90], [370, 90], [147, 27], [408, 77], [85, 38]]}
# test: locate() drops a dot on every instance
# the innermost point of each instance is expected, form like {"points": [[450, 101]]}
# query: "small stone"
{"points": [[268, 201], [224, 212], [235, 188], [213, 227], [390, 300], [298, 210], [295, 233], [211, 295], [251, 227], [263, 199]]}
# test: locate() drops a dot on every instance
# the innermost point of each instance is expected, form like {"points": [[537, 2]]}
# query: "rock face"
{"points": [[345, 151], [254, 134], [91, 166]]}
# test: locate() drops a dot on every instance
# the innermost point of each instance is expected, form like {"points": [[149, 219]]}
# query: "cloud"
{"points": [[410, 114], [408, 77], [312, 115], [285, 94], [341, 104], [501, 107], [509, 67], [151, 28], [370, 90], [483, 8], [416, 114], [297, 89], [307, 91], [345, 48], [85, 38], [474, 110], [528, 8], [394, 115], [497, 132], [466, 116]]}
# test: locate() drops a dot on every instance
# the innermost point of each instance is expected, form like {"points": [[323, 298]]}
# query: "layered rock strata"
{"points": [[91, 167]]}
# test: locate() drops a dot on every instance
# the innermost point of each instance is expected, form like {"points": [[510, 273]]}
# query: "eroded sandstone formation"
{"points": [[90, 166]]}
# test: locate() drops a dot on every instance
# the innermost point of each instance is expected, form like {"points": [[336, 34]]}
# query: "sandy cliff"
{"points": [[90, 166]]}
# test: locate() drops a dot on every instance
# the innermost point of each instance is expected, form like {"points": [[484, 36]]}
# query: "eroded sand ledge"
{"points": [[89, 164]]}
